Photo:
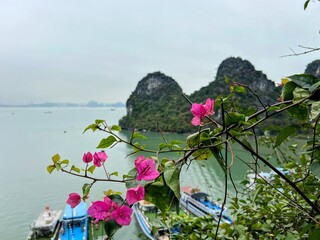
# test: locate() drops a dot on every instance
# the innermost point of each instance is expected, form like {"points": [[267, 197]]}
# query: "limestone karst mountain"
{"points": [[157, 103]]}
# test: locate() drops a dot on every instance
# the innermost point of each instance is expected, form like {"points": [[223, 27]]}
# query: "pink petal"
{"points": [[138, 160], [135, 194], [122, 215], [87, 157], [209, 106], [99, 158], [198, 110], [196, 121], [99, 210], [74, 199], [147, 170]]}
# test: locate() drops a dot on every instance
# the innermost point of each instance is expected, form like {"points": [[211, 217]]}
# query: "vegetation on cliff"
{"points": [[157, 103]]}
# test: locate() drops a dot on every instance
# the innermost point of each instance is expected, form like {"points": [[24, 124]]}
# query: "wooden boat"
{"points": [[46, 226], [199, 204], [149, 221], [74, 223]]}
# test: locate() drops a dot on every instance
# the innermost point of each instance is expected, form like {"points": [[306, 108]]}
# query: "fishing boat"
{"points": [[200, 204], [149, 221], [74, 223], [46, 226]]}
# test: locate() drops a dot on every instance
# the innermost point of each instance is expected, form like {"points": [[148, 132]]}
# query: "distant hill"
{"points": [[157, 102]]}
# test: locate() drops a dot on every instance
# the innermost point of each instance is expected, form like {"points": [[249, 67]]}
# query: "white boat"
{"points": [[267, 176], [147, 217], [46, 224], [199, 204]]}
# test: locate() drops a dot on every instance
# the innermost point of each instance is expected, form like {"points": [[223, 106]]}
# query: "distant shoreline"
{"points": [[66, 105]]}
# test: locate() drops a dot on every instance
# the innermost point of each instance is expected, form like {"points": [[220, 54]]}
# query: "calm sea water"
{"points": [[31, 136]]}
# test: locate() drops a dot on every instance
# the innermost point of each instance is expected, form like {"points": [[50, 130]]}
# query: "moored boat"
{"points": [[148, 219], [74, 223], [199, 204], [46, 226], [266, 176]]}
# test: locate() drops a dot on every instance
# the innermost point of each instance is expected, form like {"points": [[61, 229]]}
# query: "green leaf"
{"points": [[50, 168], [116, 128], [137, 147], [99, 121], [299, 94], [299, 112], [306, 4], [114, 174], [75, 169], [238, 89], [111, 227], [107, 142], [303, 80], [85, 190], [217, 155], [93, 127], [315, 169], [55, 158], [65, 162], [285, 133], [57, 165], [287, 91], [193, 140], [110, 192], [234, 118], [116, 198], [91, 169], [315, 110], [160, 195], [314, 87], [171, 177], [138, 135], [314, 234]]}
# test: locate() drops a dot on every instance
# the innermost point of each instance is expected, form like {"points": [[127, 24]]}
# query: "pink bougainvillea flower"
{"points": [[87, 157], [146, 169], [99, 158], [102, 210], [74, 199], [199, 111], [209, 105], [135, 194], [122, 215]]}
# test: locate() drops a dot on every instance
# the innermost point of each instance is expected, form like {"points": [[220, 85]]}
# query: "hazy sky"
{"points": [[77, 51]]}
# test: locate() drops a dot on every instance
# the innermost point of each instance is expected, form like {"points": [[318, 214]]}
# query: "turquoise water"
{"points": [[31, 136]]}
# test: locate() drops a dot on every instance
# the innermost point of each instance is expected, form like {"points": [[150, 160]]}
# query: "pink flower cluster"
{"points": [[200, 111], [107, 209], [98, 158]]}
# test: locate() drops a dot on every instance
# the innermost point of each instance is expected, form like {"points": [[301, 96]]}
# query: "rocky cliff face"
{"points": [[241, 71], [314, 68], [157, 103]]}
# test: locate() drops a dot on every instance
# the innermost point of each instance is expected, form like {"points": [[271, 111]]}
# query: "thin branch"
{"points": [[309, 50]]}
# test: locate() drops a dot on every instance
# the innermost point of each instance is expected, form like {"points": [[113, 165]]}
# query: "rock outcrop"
{"points": [[313, 68], [156, 105]]}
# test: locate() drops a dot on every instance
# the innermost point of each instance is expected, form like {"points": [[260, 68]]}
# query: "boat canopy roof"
{"points": [[199, 195], [79, 211]]}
